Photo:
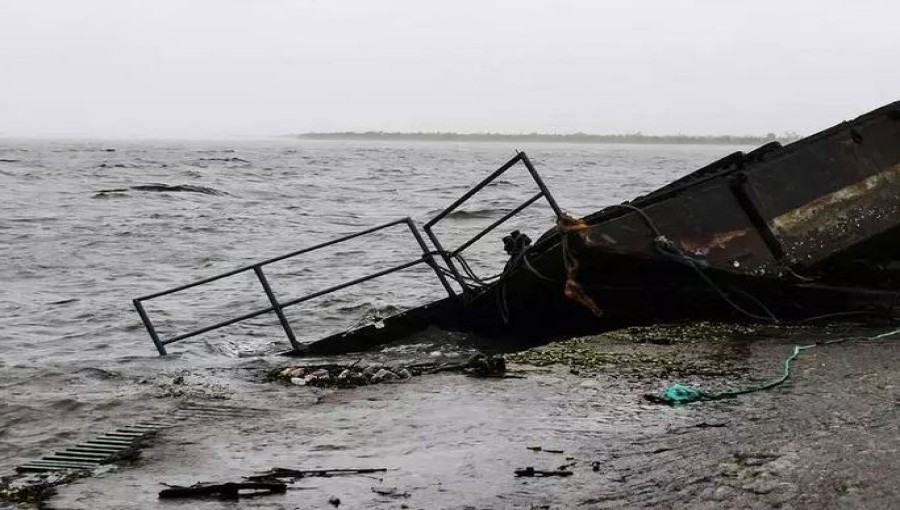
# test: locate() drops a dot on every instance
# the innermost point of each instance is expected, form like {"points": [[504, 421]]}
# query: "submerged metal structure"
{"points": [[795, 232]]}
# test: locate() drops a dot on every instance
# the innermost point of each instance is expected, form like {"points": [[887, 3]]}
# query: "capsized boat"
{"points": [[782, 233]]}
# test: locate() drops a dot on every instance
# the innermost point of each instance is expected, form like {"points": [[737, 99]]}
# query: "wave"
{"points": [[115, 165], [470, 214], [84, 149], [163, 188], [226, 160]]}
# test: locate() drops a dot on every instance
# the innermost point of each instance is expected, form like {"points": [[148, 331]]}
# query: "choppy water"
{"points": [[83, 230], [86, 227]]}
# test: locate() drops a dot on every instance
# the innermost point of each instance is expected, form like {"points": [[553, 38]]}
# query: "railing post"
{"points": [[277, 308], [429, 257], [149, 325], [543, 187], [447, 259], [448, 256]]}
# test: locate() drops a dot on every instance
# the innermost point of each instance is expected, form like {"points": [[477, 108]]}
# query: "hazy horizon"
{"points": [[118, 69], [314, 134]]}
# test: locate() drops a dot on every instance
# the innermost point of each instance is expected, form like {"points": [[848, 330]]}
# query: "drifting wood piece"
{"points": [[231, 490]]}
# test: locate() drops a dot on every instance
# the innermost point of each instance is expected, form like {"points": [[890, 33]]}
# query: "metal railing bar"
{"points": [[277, 307], [426, 253], [148, 324], [475, 189], [352, 283], [272, 260], [447, 260], [293, 302], [333, 241], [541, 185], [474, 239], [229, 322], [193, 284]]}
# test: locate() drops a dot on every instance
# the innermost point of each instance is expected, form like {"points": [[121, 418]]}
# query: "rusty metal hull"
{"points": [[784, 232]]}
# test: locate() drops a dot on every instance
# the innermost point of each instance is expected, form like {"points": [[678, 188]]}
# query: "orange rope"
{"points": [[573, 290]]}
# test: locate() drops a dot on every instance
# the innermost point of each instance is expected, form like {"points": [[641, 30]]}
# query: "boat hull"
{"points": [[796, 232]]}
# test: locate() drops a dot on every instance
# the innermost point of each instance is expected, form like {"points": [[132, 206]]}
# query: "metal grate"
{"points": [[113, 446]]}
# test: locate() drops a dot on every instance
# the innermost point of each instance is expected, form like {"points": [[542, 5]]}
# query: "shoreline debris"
{"points": [[354, 375], [224, 491], [531, 472], [273, 481], [392, 492], [279, 473]]}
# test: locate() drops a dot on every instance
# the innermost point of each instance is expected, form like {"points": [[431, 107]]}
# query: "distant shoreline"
{"points": [[635, 138]]}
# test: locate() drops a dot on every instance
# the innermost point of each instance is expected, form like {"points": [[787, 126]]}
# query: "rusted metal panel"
{"points": [[834, 192], [802, 203], [706, 222]]}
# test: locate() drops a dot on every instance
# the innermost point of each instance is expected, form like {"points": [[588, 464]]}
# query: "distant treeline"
{"points": [[541, 137]]}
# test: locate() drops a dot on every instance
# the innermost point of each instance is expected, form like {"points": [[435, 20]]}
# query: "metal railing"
{"points": [[448, 256], [278, 307], [426, 258]]}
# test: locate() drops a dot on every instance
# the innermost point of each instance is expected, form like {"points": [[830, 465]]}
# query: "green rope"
{"points": [[684, 394]]}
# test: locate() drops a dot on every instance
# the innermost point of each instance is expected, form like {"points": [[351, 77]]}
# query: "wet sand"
{"points": [[829, 438]]}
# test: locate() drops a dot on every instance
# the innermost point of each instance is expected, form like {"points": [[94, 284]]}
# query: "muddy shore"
{"points": [[829, 438]]}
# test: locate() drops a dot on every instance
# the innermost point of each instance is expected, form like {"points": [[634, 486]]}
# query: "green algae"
{"points": [[580, 353], [698, 348]]}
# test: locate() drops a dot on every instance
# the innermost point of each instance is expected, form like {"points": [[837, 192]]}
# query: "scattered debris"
{"points": [[36, 488], [353, 375], [343, 376], [707, 425], [191, 386], [531, 472], [393, 492], [480, 365], [539, 448], [227, 491], [273, 481], [279, 473]]}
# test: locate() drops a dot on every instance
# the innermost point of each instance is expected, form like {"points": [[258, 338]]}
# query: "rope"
{"points": [[678, 394], [685, 394], [668, 249]]}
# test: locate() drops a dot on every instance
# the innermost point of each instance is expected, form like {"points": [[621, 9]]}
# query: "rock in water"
{"points": [[385, 375]]}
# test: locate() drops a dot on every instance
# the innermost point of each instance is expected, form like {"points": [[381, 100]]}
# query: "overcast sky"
{"points": [[207, 68]]}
